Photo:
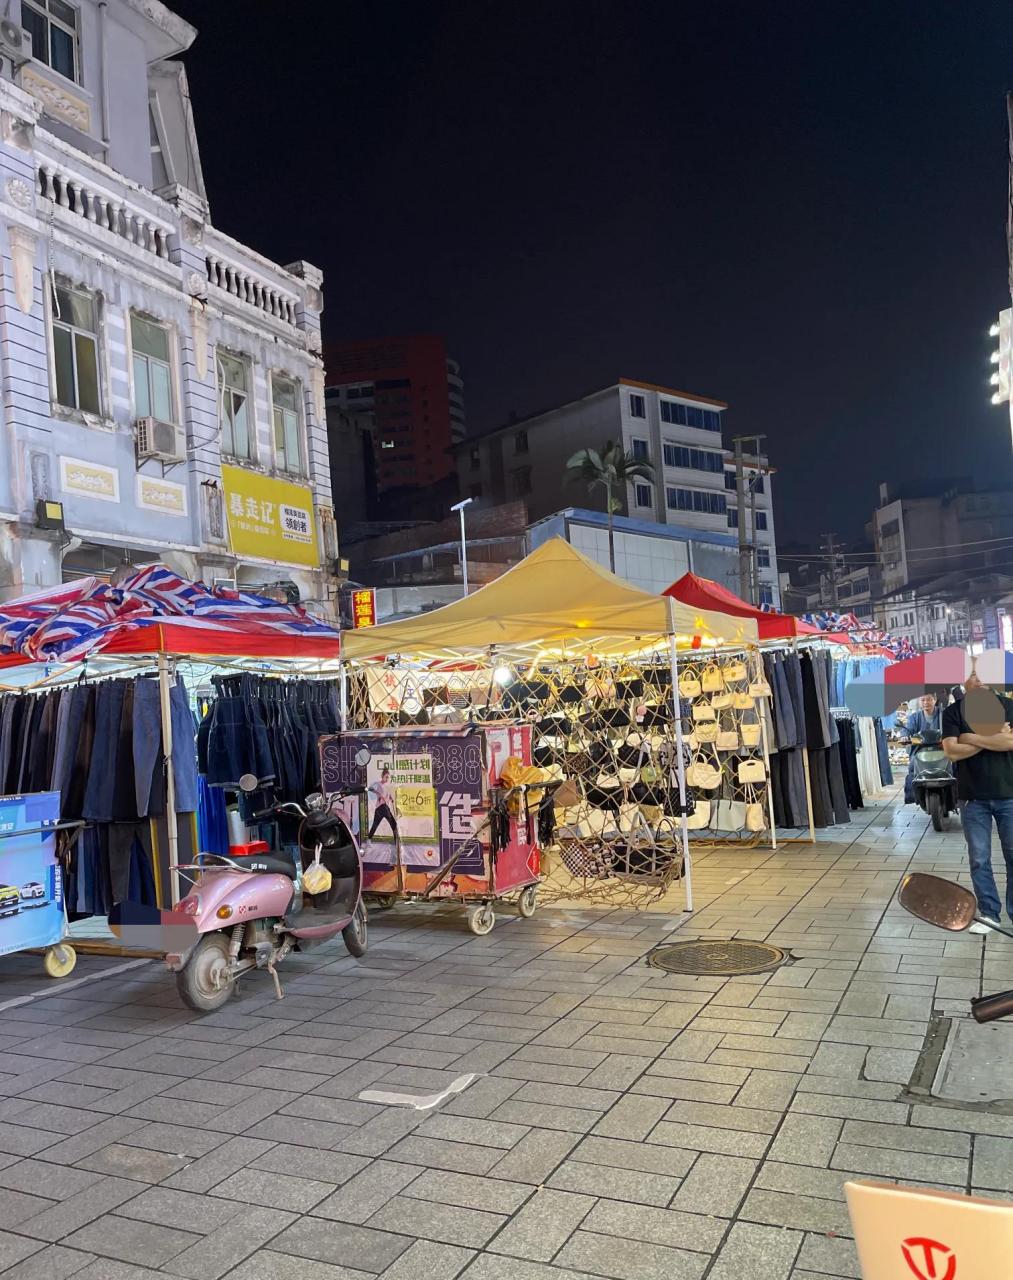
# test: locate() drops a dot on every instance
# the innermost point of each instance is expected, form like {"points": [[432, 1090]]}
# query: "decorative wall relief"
{"points": [[199, 320], [19, 194], [41, 475], [56, 100], [23, 244]]}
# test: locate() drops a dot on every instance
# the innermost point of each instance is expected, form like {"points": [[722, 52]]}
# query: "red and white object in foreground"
{"points": [[908, 1234]]}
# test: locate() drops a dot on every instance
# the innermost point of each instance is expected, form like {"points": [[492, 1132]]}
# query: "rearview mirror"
{"points": [[937, 901], [249, 782], [363, 757]]}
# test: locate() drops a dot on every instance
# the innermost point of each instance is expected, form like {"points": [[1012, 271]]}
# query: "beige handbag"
{"points": [[728, 740], [689, 685], [711, 680], [755, 817], [729, 815], [722, 702], [700, 817], [690, 740], [707, 731], [735, 672], [703, 774], [751, 735], [752, 771], [742, 700], [703, 711], [759, 688]]}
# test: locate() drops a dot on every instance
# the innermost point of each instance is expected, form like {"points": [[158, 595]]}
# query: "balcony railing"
{"points": [[250, 287]]}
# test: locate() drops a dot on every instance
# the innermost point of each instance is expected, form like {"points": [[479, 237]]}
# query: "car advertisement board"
{"points": [[31, 880]]}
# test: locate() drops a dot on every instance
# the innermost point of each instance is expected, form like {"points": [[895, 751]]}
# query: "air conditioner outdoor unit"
{"points": [[15, 43], [162, 440]]}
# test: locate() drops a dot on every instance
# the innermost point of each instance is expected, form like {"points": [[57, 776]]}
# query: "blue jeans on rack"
{"points": [[976, 817], [148, 744]]}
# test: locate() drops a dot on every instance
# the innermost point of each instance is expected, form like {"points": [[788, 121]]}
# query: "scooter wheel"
{"points": [[527, 902], [59, 961], [202, 984], [355, 933], [481, 919], [935, 807]]}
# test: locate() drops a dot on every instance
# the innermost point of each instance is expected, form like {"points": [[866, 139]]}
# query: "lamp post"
{"points": [[459, 507]]}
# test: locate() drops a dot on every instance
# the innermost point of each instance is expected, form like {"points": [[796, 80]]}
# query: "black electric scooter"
{"points": [[935, 787]]}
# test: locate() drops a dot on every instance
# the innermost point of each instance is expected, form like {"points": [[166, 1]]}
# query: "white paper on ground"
{"points": [[423, 1102]]}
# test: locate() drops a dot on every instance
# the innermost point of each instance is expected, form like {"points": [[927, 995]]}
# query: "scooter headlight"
{"points": [[190, 906]]}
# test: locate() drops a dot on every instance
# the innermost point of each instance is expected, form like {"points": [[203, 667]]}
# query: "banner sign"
{"points": [[269, 518], [31, 880]]}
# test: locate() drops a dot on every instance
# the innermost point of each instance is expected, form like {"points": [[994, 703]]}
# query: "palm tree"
{"points": [[611, 469]]}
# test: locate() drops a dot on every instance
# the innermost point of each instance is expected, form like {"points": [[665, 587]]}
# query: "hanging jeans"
{"points": [[976, 817], [100, 791], [148, 747]]}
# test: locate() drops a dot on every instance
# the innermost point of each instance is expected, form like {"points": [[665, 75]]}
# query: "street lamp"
{"points": [[459, 507]]}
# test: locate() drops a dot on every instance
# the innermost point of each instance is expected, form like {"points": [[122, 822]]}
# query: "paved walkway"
{"points": [[628, 1125]]}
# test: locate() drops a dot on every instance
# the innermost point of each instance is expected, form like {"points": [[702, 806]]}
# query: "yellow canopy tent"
{"points": [[555, 600], [557, 604]]}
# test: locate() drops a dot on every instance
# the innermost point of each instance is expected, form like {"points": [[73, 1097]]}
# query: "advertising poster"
{"points": [[31, 882], [423, 801], [269, 518]]}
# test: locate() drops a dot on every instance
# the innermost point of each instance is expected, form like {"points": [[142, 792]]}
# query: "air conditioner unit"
{"points": [[15, 43], [162, 440]]}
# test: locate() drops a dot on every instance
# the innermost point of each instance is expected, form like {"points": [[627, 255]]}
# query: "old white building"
{"points": [[160, 381]]}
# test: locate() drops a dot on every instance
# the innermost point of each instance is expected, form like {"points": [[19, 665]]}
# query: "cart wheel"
{"points": [[527, 902], [59, 961], [481, 919], [384, 901]]}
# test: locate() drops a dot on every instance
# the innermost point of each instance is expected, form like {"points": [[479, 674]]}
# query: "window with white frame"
{"points": [[53, 28], [640, 451], [637, 407], [285, 395], [152, 368], [645, 498], [75, 348], [235, 386]]}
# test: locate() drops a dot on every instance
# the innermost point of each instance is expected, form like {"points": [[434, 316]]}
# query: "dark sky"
{"points": [[797, 208]]}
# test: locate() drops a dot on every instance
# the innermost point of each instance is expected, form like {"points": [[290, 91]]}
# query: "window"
{"points": [[637, 407], [53, 28], [520, 481], [733, 518], [763, 557], [730, 480], [152, 370], [644, 495], [695, 500], [641, 453], [890, 529], [285, 395], [235, 414], [761, 519], [678, 455], [766, 595], [475, 459], [521, 442], [687, 415], [75, 349]]}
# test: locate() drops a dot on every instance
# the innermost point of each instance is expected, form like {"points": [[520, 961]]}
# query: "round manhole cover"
{"points": [[718, 959]]}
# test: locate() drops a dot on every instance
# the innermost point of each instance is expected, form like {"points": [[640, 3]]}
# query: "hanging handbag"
{"points": [[742, 700], [711, 681], [689, 685], [735, 672], [751, 734], [707, 731], [729, 815], [700, 817], [628, 687], [657, 715], [703, 711], [703, 774], [759, 688], [722, 702], [755, 817], [728, 740], [752, 771]]}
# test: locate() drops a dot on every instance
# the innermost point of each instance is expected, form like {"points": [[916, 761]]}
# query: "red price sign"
{"points": [[928, 1259], [363, 608]]}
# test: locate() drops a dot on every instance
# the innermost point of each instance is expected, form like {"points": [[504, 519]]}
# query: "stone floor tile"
{"points": [[273, 1189], [78, 1210], [425, 1260], [497, 1132], [436, 1153], [445, 1223], [533, 1159], [469, 1192], [267, 1264], [145, 1243], [804, 1139], [695, 1137], [54, 1262], [656, 1226], [225, 1248], [751, 1251], [748, 1119], [615, 1184], [716, 1185], [993, 1163], [904, 1138], [788, 1209], [622, 1154], [217, 1165], [901, 1164], [360, 1198], [630, 1259], [137, 1163], [491, 1266], [829, 1256]]}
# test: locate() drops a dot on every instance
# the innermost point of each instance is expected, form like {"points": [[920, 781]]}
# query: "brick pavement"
{"points": [[628, 1125]]}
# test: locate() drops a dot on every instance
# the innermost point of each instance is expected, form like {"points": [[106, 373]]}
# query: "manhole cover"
{"points": [[721, 959]]}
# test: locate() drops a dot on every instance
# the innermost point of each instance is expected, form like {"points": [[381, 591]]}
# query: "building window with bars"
{"points": [[235, 382], [286, 395], [75, 335], [53, 28]]}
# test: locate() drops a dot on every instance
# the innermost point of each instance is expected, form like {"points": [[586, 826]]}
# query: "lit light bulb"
{"points": [[994, 380], [995, 357], [502, 675], [994, 331], [997, 398]]}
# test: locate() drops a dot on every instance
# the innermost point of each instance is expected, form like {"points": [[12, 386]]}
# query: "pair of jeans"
{"points": [[101, 789], [147, 748], [976, 816]]}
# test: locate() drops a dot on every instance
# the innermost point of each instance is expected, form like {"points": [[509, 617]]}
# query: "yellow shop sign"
{"points": [[268, 518]]}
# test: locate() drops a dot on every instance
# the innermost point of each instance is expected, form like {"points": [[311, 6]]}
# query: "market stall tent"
{"points": [[704, 593], [554, 600]]}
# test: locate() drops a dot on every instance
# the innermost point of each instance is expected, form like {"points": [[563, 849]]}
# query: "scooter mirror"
{"points": [[363, 757], [249, 783], [937, 901]]}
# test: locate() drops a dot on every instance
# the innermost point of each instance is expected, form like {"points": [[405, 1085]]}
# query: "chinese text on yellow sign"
{"points": [[268, 518]]}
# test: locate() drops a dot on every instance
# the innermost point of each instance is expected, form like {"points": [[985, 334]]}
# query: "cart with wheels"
{"points": [[434, 824], [33, 913]]}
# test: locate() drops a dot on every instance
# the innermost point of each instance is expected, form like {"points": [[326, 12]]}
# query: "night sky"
{"points": [[795, 208]]}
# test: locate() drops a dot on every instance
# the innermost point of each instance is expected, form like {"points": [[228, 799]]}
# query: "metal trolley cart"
{"points": [[433, 824], [33, 913]]}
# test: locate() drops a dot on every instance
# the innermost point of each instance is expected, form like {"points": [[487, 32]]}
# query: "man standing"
{"points": [[978, 738]]}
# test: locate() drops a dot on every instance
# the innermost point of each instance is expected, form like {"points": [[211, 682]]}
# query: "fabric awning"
{"points": [[555, 599], [704, 593]]}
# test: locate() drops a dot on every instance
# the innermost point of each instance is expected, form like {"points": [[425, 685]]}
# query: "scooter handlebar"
{"points": [[988, 1008]]}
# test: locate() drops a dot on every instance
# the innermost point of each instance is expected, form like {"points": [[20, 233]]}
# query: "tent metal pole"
{"points": [[680, 763], [343, 695], [807, 776], [171, 824]]}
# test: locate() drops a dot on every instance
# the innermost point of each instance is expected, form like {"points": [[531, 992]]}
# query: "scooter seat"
{"points": [[267, 863]]}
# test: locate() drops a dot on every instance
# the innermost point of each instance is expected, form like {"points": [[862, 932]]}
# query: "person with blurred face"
{"points": [[978, 738]]}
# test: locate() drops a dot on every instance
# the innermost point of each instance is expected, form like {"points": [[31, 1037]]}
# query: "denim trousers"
{"points": [[976, 817], [147, 746]]}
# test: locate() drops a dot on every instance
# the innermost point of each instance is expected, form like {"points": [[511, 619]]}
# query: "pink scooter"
{"points": [[250, 912]]}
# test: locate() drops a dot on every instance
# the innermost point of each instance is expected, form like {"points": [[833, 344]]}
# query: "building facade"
{"points": [[162, 382], [412, 393], [680, 435]]}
